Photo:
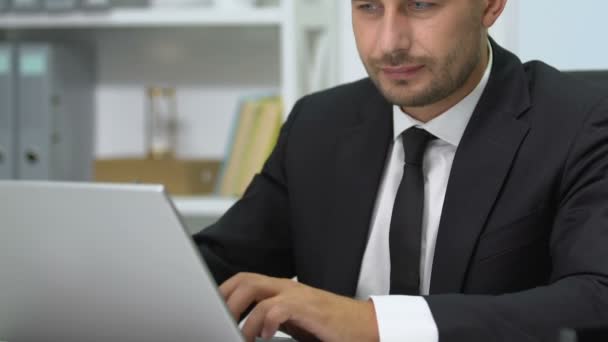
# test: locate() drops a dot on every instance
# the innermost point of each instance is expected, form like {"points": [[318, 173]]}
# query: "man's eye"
{"points": [[369, 7], [420, 5]]}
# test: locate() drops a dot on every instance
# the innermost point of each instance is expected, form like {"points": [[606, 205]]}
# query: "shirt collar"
{"points": [[450, 125]]}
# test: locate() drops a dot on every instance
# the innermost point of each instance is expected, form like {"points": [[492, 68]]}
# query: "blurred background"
{"points": [[192, 93]]}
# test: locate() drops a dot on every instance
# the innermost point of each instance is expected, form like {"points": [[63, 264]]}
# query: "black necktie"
{"points": [[406, 222]]}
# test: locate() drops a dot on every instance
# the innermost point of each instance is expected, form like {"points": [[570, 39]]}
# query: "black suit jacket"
{"points": [[522, 248]]}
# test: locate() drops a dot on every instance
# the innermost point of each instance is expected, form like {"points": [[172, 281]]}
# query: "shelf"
{"points": [[204, 206], [153, 17], [212, 55]]}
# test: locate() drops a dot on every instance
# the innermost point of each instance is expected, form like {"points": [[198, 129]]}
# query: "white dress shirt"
{"points": [[408, 318]]}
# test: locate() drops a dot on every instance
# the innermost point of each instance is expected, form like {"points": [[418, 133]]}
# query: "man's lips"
{"points": [[402, 72]]}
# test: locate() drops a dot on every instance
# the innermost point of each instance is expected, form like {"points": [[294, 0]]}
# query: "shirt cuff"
{"points": [[404, 318]]}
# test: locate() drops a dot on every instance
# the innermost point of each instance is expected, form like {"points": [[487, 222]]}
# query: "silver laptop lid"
{"points": [[94, 262]]}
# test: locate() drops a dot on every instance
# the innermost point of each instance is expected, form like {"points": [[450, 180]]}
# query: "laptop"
{"points": [[102, 262]]}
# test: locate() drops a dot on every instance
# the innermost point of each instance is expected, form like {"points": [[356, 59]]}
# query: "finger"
{"points": [[241, 299], [276, 316], [265, 319], [246, 289], [253, 326], [248, 279], [232, 284]]}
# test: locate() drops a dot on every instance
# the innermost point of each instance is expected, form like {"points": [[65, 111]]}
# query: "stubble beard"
{"points": [[446, 77]]}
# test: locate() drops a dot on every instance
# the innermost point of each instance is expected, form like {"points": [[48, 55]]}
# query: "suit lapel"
{"points": [[360, 159], [481, 165]]}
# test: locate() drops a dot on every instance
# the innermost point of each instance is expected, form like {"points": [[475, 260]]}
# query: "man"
{"points": [[496, 231]]}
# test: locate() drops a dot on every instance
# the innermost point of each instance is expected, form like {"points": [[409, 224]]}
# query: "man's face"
{"points": [[419, 52]]}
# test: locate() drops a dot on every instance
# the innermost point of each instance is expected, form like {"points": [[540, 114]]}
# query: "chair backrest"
{"points": [[597, 77]]}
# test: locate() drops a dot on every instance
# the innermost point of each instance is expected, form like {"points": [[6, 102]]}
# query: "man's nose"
{"points": [[395, 33]]}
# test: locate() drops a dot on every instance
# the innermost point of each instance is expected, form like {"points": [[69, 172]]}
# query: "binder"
{"points": [[27, 5], [131, 3], [255, 133], [263, 137], [96, 4], [60, 5], [237, 152], [7, 112], [55, 113], [4, 5]]}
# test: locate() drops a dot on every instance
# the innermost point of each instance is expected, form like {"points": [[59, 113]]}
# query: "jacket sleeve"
{"points": [[577, 294], [254, 235]]}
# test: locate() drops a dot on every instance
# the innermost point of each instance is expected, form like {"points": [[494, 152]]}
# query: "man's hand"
{"points": [[306, 313]]}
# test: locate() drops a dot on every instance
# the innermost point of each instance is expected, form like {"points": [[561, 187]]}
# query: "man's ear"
{"points": [[492, 10]]}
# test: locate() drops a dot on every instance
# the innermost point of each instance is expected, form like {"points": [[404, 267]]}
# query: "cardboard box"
{"points": [[180, 177]]}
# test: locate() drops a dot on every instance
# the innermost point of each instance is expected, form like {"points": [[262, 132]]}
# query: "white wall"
{"points": [[566, 34], [569, 35], [350, 65], [505, 30], [212, 69]]}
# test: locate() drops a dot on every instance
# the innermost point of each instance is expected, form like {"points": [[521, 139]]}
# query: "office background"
{"points": [[216, 56]]}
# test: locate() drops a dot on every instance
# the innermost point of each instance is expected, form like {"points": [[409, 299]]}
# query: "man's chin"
{"points": [[398, 98], [408, 95], [399, 93]]}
